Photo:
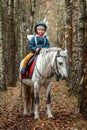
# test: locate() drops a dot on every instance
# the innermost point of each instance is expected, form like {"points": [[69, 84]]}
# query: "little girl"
{"points": [[37, 42]]}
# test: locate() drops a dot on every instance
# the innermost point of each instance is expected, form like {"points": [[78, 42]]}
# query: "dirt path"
{"points": [[64, 108]]}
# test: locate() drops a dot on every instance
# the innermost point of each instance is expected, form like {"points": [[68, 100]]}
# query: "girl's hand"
{"points": [[38, 49]]}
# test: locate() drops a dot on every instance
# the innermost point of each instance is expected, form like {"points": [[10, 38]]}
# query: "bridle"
{"points": [[55, 67]]}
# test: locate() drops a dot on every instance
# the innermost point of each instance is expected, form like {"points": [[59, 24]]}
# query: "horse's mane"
{"points": [[53, 50], [49, 50]]}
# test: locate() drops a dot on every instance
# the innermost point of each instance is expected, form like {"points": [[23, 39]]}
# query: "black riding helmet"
{"points": [[40, 24]]}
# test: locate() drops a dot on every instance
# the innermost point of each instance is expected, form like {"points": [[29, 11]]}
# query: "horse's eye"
{"points": [[60, 63]]}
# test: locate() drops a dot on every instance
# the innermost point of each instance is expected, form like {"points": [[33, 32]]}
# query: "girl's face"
{"points": [[40, 30]]}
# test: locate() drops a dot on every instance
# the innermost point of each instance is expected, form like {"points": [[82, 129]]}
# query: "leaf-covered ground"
{"points": [[64, 108]]}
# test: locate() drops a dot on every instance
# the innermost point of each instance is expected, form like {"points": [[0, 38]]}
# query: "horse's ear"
{"points": [[58, 53], [66, 52], [63, 53]]}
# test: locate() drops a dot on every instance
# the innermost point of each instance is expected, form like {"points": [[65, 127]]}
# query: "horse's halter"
{"points": [[55, 67]]}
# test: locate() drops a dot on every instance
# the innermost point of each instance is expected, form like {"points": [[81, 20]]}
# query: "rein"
{"points": [[51, 75]]}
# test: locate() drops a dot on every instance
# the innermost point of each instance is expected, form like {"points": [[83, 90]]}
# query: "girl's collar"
{"points": [[39, 35]]}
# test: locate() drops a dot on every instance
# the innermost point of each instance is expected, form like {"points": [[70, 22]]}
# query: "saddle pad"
{"points": [[31, 68], [29, 72]]}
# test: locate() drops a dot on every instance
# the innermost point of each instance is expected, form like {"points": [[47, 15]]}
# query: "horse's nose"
{"points": [[60, 76], [63, 77]]}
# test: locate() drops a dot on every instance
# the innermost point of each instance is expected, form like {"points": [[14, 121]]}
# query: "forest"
{"points": [[66, 22]]}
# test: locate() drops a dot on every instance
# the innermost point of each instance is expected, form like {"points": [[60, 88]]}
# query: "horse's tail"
{"points": [[20, 78], [21, 89]]}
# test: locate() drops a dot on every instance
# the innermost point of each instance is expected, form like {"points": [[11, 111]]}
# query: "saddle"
{"points": [[29, 68]]}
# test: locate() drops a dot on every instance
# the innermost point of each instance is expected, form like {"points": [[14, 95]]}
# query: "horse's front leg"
{"points": [[48, 100], [36, 98]]}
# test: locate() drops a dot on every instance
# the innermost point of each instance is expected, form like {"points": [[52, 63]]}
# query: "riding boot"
{"points": [[23, 71]]}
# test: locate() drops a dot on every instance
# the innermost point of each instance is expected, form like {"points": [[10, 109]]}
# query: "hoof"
{"points": [[27, 114], [50, 116]]}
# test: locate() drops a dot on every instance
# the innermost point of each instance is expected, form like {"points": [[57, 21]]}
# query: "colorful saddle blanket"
{"points": [[29, 70]]}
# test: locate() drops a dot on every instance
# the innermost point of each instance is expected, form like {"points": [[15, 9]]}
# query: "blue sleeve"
{"points": [[47, 44], [32, 44]]}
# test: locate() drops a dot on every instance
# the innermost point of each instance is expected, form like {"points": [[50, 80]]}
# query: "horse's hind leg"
{"points": [[25, 98], [30, 99], [48, 100]]}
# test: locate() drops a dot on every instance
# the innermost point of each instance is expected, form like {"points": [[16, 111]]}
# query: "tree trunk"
{"points": [[2, 61], [75, 50], [11, 79], [82, 20], [32, 12], [68, 36]]}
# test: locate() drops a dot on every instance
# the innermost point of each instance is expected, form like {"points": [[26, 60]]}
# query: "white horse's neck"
{"points": [[48, 55], [45, 61]]}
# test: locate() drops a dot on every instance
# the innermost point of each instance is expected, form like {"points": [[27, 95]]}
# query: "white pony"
{"points": [[50, 64]]}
